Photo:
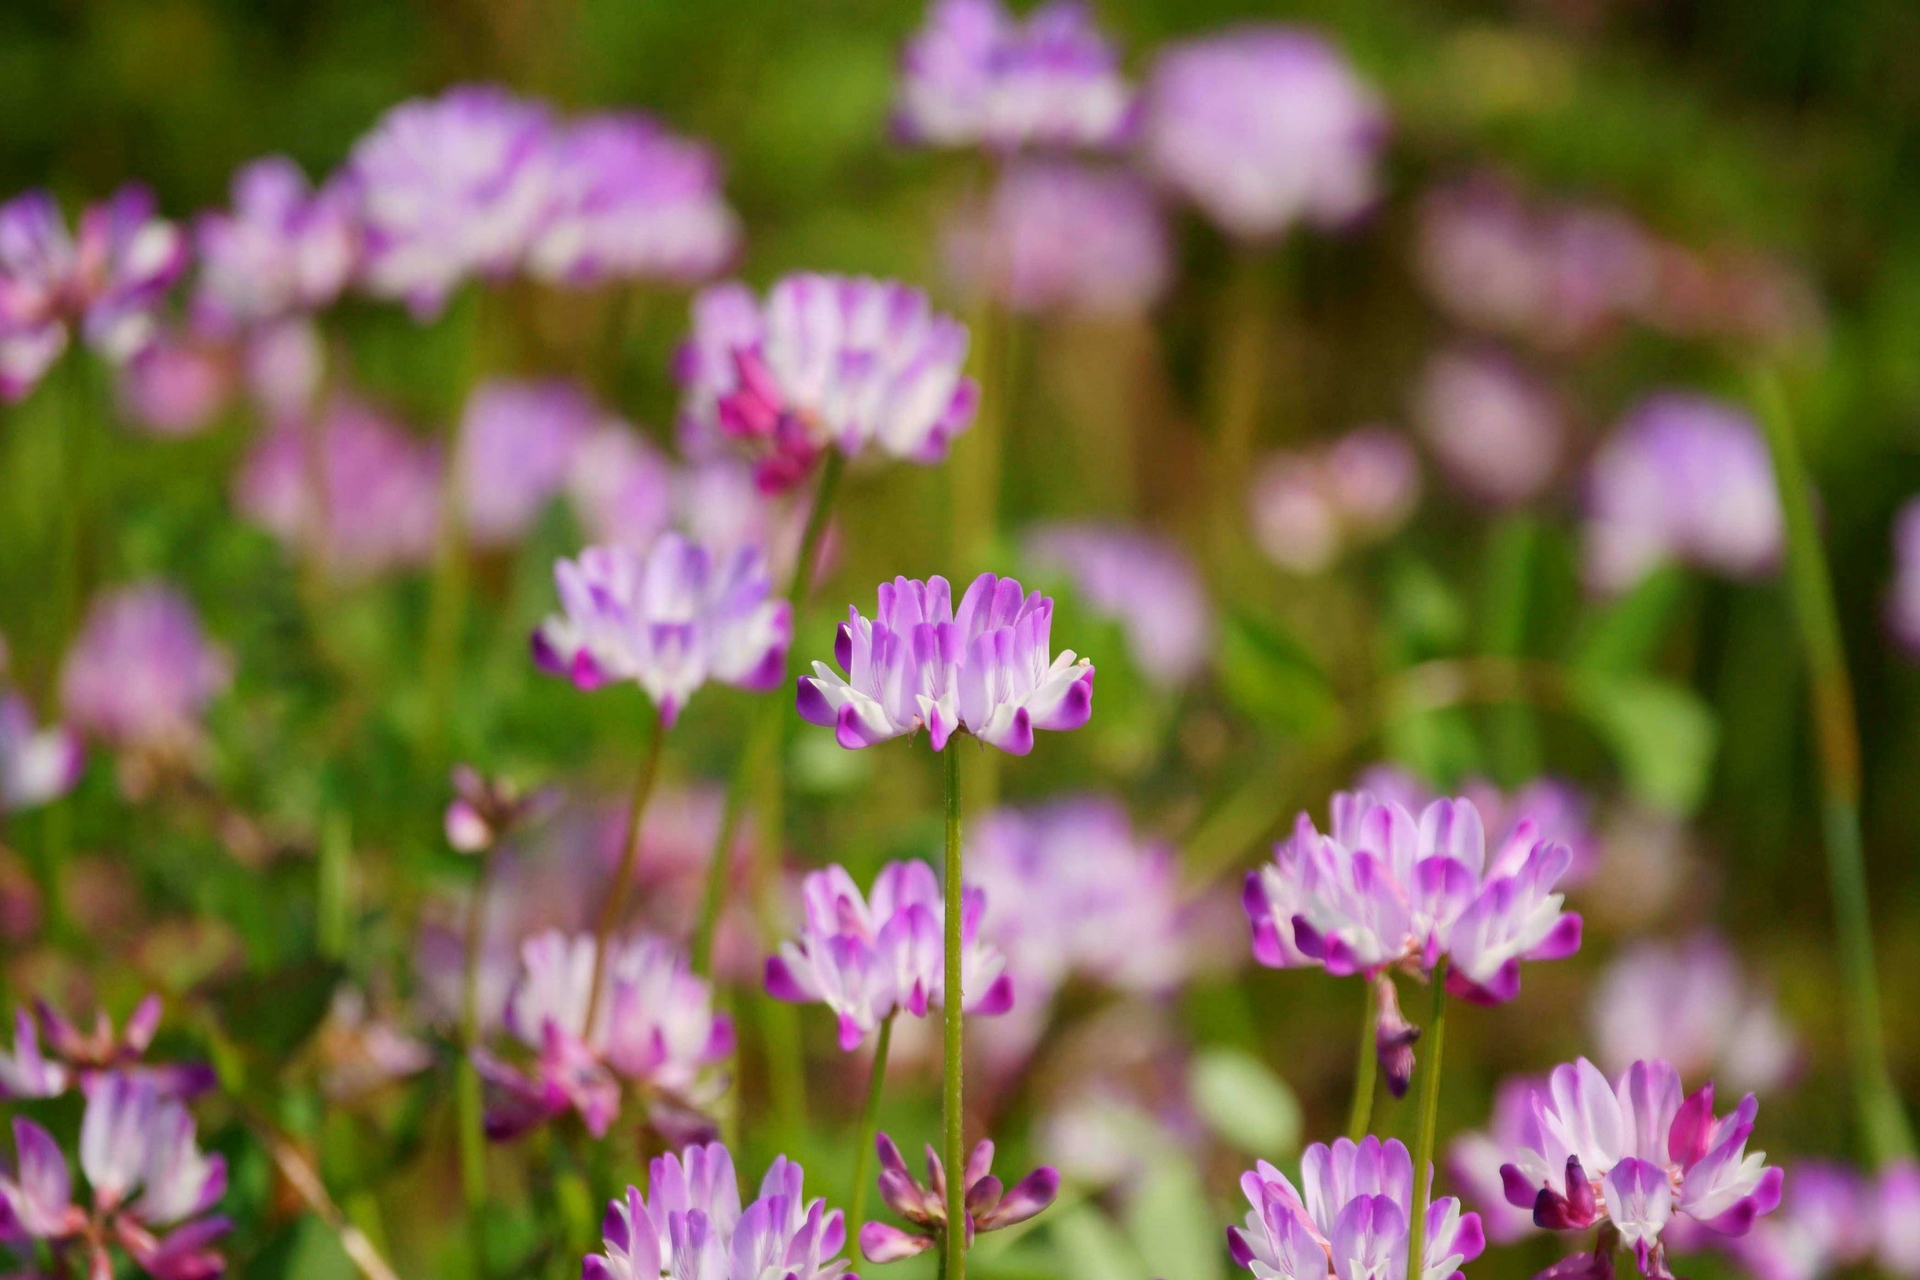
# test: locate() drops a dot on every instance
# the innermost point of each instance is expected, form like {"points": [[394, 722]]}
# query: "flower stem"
{"points": [[869, 1126], [1435, 1037], [1883, 1120], [953, 1006], [1366, 1068], [1244, 341], [616, 901]]}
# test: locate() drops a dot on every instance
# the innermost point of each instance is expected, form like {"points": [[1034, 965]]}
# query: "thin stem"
{"points": [[1435, 1036], [1508, 597], [869, 1127], [1883, 1121], [953, 1001], [616, 901], [473, 1137], [1238, 383], [1366, 1068], [974, 470], [305, 1181]]}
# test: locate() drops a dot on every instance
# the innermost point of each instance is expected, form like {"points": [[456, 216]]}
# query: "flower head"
{"points": [[1145, 581], [919, 664], [1263, 127], [867, 959], [669, 620], [1307, 508], [1635, 1154], [518, 442], [1497, 431], [1349, 1220], [484, 809], [1687, 1004], [1547, 808], [632, 201], [990, 1204], [141, 673], [37, 766], [975, 75], [283, 251], [1896, 1212], [828, 362]]}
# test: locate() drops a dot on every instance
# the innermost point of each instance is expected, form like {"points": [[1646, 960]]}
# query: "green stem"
{"points": [[1366, 1068], [1435, 1037], [953, 1004], [1508, 587], [1242, 352], [869, 1127], [974, 469], [616, 900], [1883, 1121], [334, 910]]}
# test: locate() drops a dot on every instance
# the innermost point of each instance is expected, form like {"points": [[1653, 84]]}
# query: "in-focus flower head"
{"points": [[1145, 581], [106, 281], [450, 188], [284, 250], [990, 1204], [1054, 236], [669, 620], [828, 362], [1497, 431], [918, 664], [1349, 1219], [632, 201], [868, 958], [1688, 1004], [1684, 478], [1308, 507], [1636, 1156], [975, 75], [142, 672], [37, 766], [1263, 127], [518, 441]]}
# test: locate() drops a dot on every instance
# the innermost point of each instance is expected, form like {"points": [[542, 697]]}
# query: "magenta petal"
{"points": [[847, 729], [1028, 1197], [781, 984], [1514, 1185], [1563, 941], [880, 1243], [997, 1000], [811, 703], [1692, 1129]]}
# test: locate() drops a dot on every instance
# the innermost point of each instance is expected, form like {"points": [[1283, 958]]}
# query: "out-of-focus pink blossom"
{"points": [[1903, 596], [1687, 1004], [486, 809], [363, 1051], [141, 673], [285, 250], [975, 75], [37, 766], [518, 444], [1307, 507], [1684, 478], [1146, 582], [1825, 1224], [1475, 1158], [1263, 127], [1896, 1212], [176, 385], [1496, 430], [81, 1057], [990, 1205]]}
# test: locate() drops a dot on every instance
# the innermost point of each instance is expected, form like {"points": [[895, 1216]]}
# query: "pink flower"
{"points": [[1825, 1224], [1475, 1159], [990, 1206], [1903, 596], [285, 249], [141, 673], [1497, 431], [1547, 808], [518, 443], [1146, 582], [37, 766], [1687, 1004], [1308, 507]]}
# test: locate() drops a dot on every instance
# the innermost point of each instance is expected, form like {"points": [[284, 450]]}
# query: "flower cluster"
{"points": [[868, 958], [1306, 508], [1146, 582], [918, 664], [1687, 1004], [285, 250], [518, 445], [1497, 430], [991, 1206]]}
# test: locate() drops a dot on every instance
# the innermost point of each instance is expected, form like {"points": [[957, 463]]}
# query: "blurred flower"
{"points": [[282, 365], [1476, 1157], [448, 188], [141, 672], [131, 1139], [1387, 891], [668, 620], [1058, 236], [1352, 1222], [37, 766], [844, 362], [1687, 1004], [378, 490], [1633, 1154], [1547, 808], [77, 1057], [975, 75], [1263, 127], [694, 1226], [1496, 430], [1683, 478], [868, 961], [484, 809], [990, 1207], [1147, 582], [284, 251], [1825, 1224], [621, 487], [518, 442], [1307, 507], [1903, 598], [176, 385], [653, 1025], [107, 281], [632, 201], [363, 1052], [917, 664], [1897, 1218]]}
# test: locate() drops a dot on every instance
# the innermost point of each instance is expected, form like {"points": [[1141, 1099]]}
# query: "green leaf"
{"points": [[1663, 734], [1093, 1248], [1626, 634], [1246, 1104], [1271, 677], [1172, 1223]]}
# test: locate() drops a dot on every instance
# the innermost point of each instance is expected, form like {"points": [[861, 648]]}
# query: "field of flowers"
{"points": [[555, 555]]}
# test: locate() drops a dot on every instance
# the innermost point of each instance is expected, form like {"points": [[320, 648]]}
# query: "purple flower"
{"points": [[669, 620], [1897, 1218], [484, 809], [107, 281], [654, 1026], [1634, 1154], [451, 187], [990, 1205], [621, 487], [141, 672], [1684, 478], [1147, 582], [285, 249], [632, 201], [364, 497], [693, 1225], [867, 960], [975, 75], [917, 664], [147, 1174], [1263, 127], [1475, 1158], [1351, 1223], [1903, 597], [1686, 1004], [1387, 891], [84, 1056], [1058, 236], [843, 362], [1547, 808], [1306, 508], [1496, 430], [518, 441], [37, 766], [1825, 1224], [176, 385]]}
